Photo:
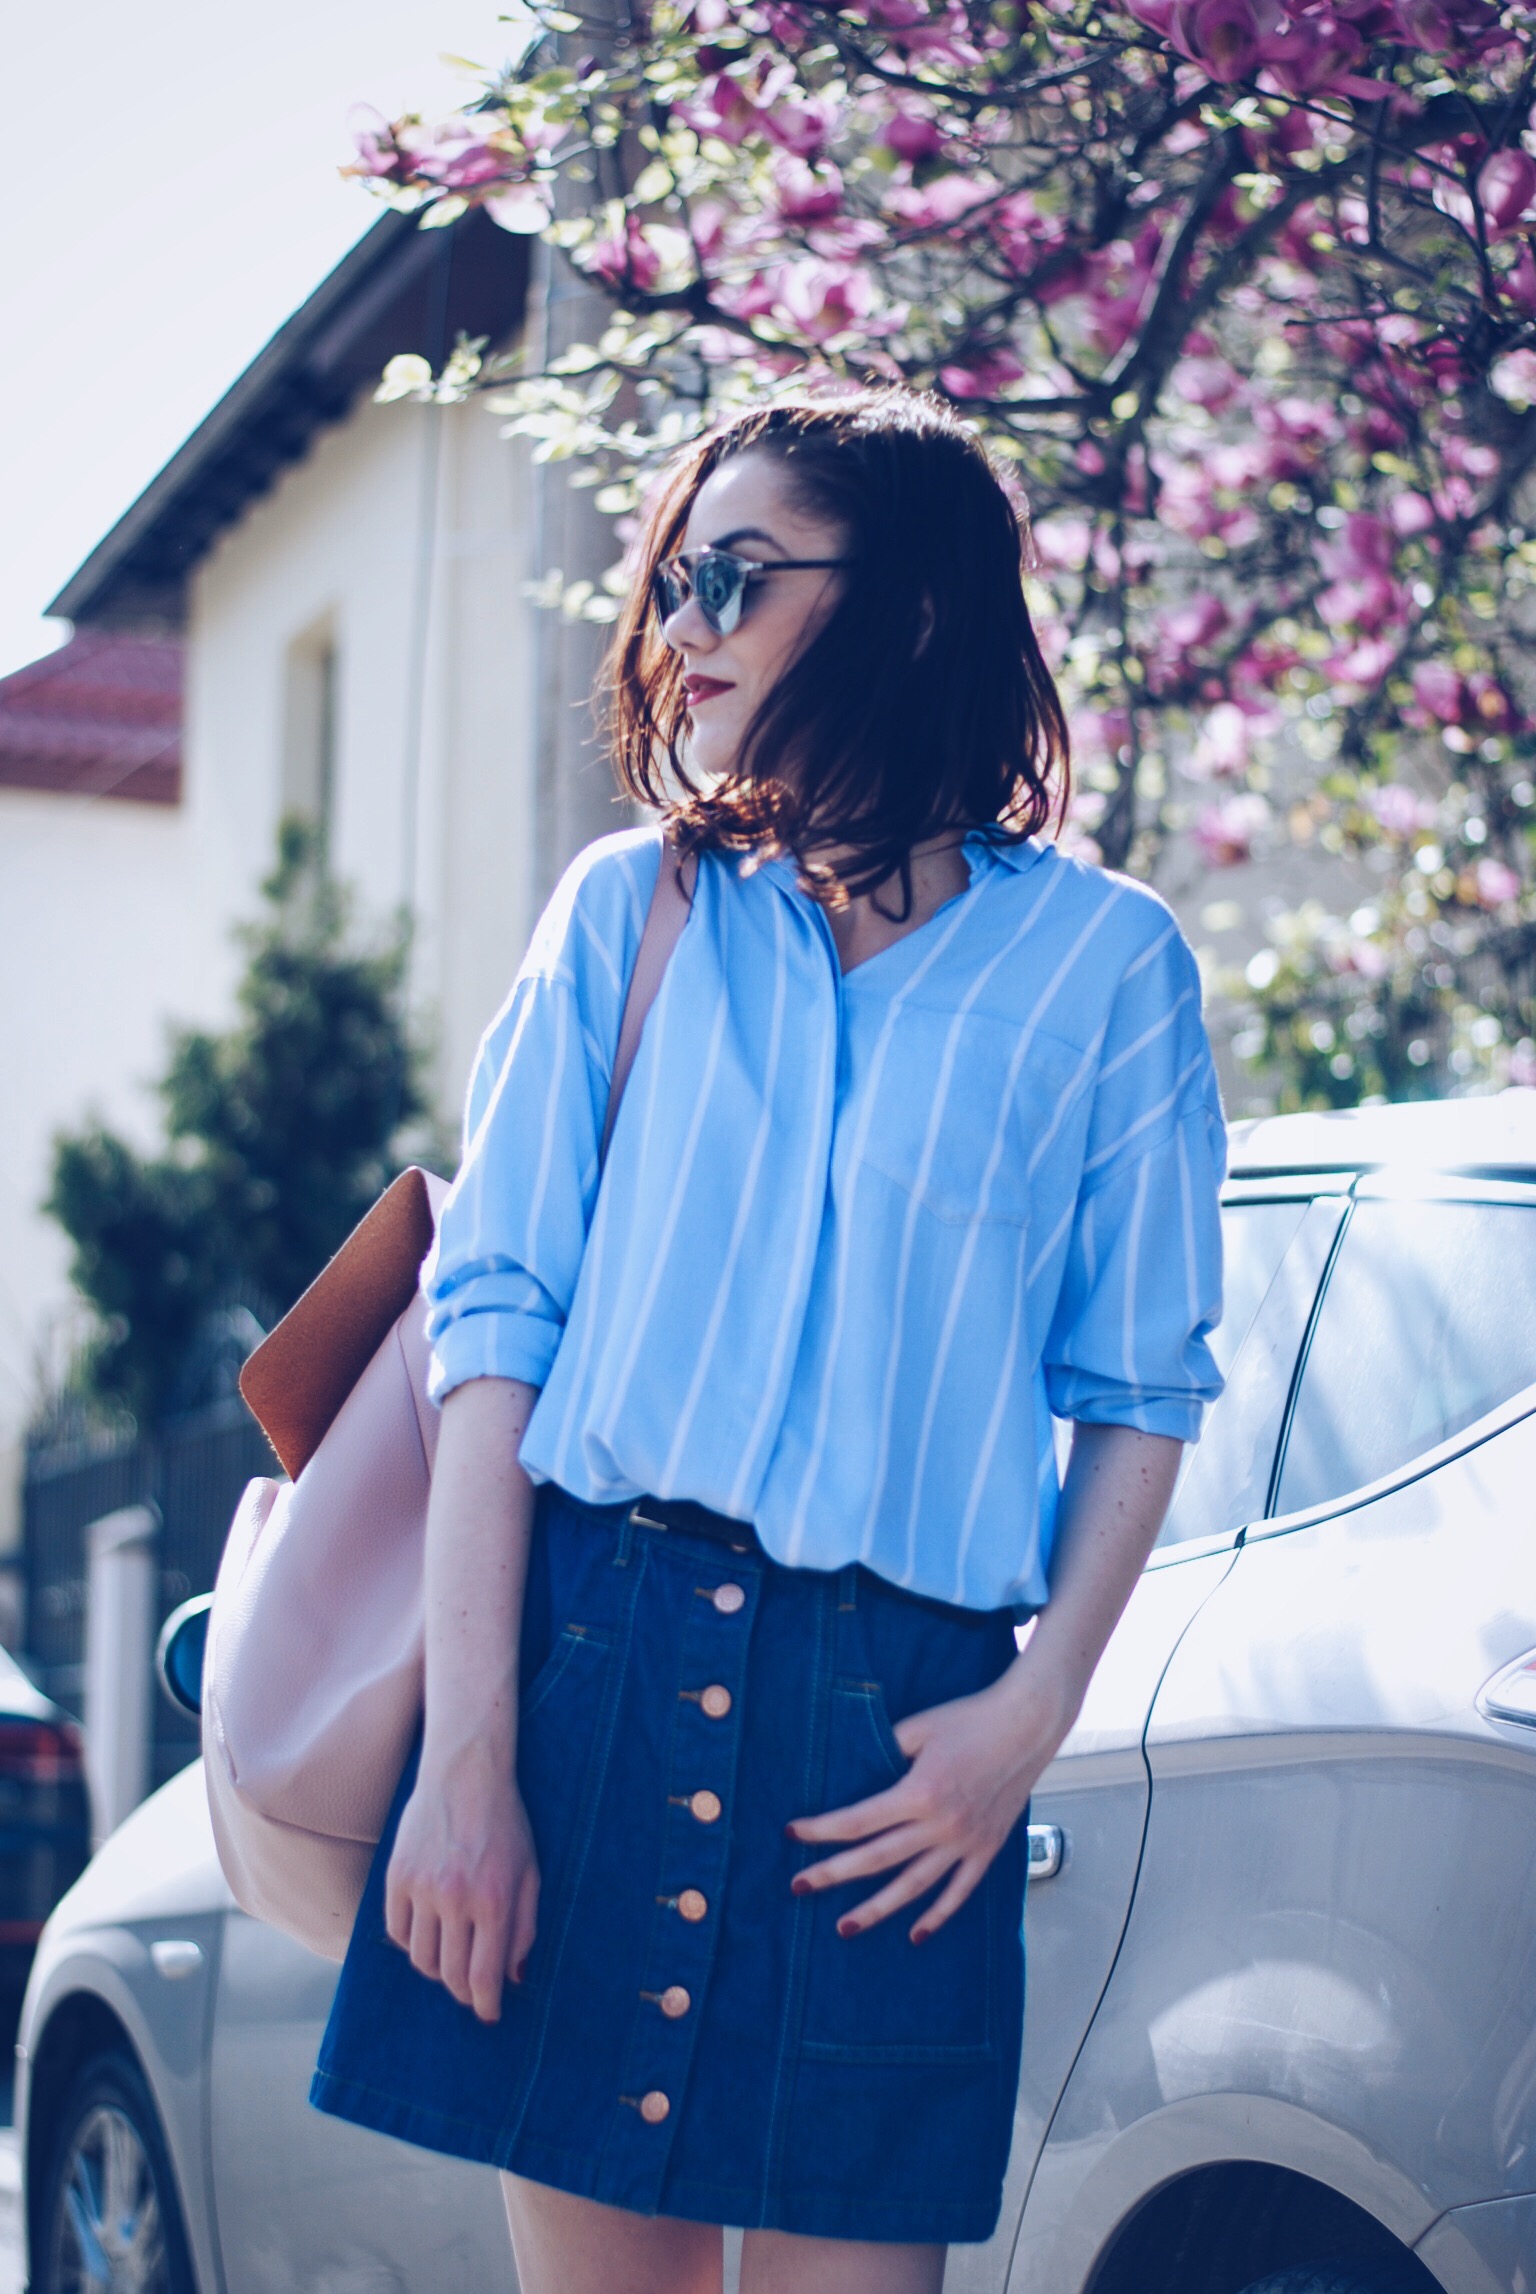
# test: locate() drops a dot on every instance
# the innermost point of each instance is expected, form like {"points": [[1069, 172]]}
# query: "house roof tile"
{"points": [[99, 717]]}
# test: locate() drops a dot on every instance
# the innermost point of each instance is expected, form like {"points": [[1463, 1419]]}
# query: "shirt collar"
{"points": [[986, 851], [983, 851]]}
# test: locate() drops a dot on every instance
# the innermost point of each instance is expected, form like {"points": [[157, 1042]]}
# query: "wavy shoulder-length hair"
{"points": [[921, 704]]}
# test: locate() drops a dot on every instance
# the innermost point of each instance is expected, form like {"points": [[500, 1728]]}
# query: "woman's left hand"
{"points": [[975, 1763]]}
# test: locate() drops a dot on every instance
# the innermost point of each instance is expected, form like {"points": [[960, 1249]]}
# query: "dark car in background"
{"points": [[45, 1825]]}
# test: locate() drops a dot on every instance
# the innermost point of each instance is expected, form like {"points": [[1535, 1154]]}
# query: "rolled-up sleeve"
{"points": [[1141, 1287], [513, 1228]]}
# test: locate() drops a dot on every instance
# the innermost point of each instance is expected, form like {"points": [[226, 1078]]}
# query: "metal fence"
{"points": [[192, 1472]]}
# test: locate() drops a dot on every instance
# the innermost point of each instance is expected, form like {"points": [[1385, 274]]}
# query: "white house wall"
{"points": [[405, 531], [108, 931]]}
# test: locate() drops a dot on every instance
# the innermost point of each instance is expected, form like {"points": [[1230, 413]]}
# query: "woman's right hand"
{"points": [[462, 1892]]}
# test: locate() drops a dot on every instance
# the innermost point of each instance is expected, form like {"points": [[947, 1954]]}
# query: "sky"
{"points": [[174, 197]]}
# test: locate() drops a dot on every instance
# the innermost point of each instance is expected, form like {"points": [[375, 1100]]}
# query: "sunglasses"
{"points": [[719, 580]]}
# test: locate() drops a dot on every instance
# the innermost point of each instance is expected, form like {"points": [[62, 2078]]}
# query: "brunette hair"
{"points": [[922, 703]]}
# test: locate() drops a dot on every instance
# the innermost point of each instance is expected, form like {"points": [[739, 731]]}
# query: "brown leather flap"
{"points": [[302, 1372]]}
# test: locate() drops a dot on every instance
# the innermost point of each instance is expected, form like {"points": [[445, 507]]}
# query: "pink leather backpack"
{"points": [[312, 1678]]}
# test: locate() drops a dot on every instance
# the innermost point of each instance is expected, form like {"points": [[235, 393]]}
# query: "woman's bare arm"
{"points": [[976, 1761], [462, 1891]]}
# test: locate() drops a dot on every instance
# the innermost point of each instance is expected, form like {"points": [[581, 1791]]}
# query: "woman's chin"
{"points": [[711, 750]]}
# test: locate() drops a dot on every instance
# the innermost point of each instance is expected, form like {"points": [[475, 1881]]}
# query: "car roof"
{"points": [[19, 1698], [1495, 1132]]}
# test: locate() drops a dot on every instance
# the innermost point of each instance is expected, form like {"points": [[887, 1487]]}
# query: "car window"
{"points": [[1274, 1254], [1429, 1320]]}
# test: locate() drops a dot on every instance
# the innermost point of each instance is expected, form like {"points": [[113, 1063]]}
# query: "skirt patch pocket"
{"points": [[562, 1750], [878, 1997]]}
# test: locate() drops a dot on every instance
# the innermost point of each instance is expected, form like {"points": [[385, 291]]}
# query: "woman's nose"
{"points": [[688, 630]]}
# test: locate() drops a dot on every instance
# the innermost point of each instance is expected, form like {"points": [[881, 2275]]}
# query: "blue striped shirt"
{"points": [[857, 1236]]}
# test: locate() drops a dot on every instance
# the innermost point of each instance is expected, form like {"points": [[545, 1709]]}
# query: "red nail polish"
{"points": [[790, 1832], [799, 1885], [847, 1927], [520, 1971], [921, 1935]]}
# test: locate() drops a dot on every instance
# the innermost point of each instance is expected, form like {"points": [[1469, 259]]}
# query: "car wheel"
{"points": [[110, 2222], [1387, 2277]]}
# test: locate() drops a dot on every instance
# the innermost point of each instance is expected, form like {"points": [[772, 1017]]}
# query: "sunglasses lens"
{"points": [[669, 590], [718, 584]]}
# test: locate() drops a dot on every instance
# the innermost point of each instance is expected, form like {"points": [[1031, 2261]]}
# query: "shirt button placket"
{"points": [[712, 1658]]}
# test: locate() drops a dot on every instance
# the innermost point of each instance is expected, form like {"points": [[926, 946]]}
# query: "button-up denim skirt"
{"points": [[690, 2037]]}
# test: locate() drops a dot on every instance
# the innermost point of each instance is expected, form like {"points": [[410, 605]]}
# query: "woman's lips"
{"points": [[697, 689]]}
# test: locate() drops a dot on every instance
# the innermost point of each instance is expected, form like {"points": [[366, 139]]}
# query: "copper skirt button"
{"points": [[693, 1904], [705, 1806], [728, 1599], [654, 2107], [675, 2001], [716, 1701]]}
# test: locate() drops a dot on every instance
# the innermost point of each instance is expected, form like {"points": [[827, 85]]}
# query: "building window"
{"points": [[310, 728]]}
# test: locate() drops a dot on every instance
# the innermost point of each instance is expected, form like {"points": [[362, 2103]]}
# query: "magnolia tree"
{"points": [[1245, 293]]}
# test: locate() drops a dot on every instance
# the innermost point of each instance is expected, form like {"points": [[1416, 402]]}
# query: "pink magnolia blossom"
{"points": [[1207, 382], [1363, 547], [943, 201], [1519, 284], [912, 135], [1298, 432], [1266, 664], [1442, 27], [1401, 811], [939, 30], [626, 258], [1062, 543], [1473, 455], [1513, 378], [377, 153], [1225, 745], [1225, 832], [1496, 882], [824, 299], [456, 155], [1317, 57], [805, 194], [803, 127], [1411, 514], [723, 109], [1190, 627], [1119, 282], [1438, 689], [1362, 666], [1230, 38], [983, 375], [1506, 185]]}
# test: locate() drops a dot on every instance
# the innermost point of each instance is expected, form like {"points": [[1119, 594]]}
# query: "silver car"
{"points": [[1282, 1919]]}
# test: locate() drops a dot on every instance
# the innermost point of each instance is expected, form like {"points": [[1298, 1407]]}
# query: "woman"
{"points": [[746, 1467]]}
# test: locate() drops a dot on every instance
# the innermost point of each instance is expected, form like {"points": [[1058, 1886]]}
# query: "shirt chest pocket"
{"points": [[969, 1115]]}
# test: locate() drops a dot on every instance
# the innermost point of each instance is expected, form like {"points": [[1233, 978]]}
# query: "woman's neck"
{"points": [[864, 927]]}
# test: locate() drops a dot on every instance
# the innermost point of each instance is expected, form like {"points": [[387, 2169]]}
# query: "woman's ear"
{"points": [[924, 629]]}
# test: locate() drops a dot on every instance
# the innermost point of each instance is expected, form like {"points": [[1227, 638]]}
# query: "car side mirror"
{"points": [[179, 1653]]}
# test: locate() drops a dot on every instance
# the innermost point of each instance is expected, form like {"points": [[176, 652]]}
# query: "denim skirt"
{"points": [[690, 2038]]}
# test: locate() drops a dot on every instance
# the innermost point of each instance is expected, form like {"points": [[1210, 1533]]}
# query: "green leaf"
{"points": [[443, 211]]}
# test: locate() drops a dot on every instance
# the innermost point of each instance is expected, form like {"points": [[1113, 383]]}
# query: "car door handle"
{"points": [[1047, 1851]]}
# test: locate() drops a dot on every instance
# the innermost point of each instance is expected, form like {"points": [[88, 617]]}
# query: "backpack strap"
{"points": [[668, 913]]}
